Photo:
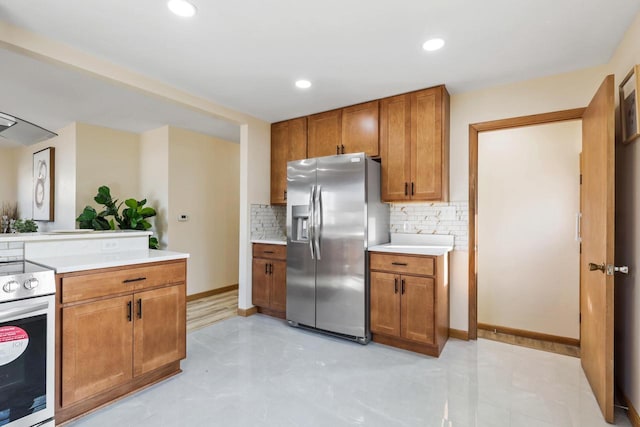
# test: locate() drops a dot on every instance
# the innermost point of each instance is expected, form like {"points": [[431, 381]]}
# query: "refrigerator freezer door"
{"points": [[340, 233], [301, 267]]}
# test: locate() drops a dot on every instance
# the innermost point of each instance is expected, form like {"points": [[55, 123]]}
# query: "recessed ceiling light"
{"points": [[303, 84], [433, 44], [181, 8]]}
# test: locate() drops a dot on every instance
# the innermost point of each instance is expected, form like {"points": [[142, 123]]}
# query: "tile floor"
{"points": [[257, 371]]}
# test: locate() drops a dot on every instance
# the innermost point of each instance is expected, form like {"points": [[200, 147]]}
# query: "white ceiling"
{"points": [[52, 97], [246, 54]]}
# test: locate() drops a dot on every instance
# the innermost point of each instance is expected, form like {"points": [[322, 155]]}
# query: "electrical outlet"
{"points": [[110, 245], [183, 217]]}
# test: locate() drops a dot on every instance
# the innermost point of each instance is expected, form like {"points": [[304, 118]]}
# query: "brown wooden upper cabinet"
{"points": [[360, 129], [414, 146], [348, 130], [325, 134], [288, 142]]}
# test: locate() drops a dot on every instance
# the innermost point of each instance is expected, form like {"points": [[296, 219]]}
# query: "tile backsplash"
{"points": [[268, 222], [11, 251], [451, 218]]}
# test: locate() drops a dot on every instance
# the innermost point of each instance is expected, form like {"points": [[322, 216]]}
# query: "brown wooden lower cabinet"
{"points": [[98, 348], [116, 341], [269, 283], [409, 310]]}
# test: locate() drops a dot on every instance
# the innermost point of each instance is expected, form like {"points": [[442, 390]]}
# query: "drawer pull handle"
{"points": [[404, 264], [129, 311], [395, 285], [403, 286], [138, 279], [268, 252], [139, 308]]}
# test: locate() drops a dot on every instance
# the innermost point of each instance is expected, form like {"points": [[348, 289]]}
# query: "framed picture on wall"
{"points": [[630, 106], [43, 184]]}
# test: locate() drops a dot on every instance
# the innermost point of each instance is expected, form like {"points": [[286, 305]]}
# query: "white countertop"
{"points": [[417, 244], [71, 235], [67, 264], [269, 242], [411, 249]]}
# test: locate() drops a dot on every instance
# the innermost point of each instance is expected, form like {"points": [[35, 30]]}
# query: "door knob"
{"points": [[594, 267], [609, 269]]}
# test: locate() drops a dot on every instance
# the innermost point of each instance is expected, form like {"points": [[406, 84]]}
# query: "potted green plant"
{"points": [[133, 217]]}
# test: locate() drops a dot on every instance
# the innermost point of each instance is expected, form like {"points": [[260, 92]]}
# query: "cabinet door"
{"points": [[288, 142], [278, 294], [360, 129], [297, 143], [418, 314], [279, 153], [325, 133], [260, 282], [97, 347], [426, 145], [385, 303], [395, 148], [159, 328]]}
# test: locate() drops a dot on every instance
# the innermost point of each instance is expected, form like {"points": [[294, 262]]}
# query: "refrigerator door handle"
{"points": [[310, 221], [317, 220]]}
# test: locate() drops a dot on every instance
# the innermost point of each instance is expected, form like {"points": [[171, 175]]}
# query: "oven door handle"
{"points": [[26, 309]]}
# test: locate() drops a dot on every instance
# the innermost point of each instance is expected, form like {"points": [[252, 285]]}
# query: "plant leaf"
{"points": [[147, 212]]}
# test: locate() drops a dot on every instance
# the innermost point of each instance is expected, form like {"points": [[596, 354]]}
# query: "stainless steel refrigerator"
{"points": [[334, 214]]}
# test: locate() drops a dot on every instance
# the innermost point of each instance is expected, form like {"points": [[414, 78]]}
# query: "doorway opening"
{"points": [[527, 223], [522, 323]]}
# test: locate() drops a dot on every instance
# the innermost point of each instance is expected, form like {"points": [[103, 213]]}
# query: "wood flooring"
{"points": [[207, 311], [567, 350]]}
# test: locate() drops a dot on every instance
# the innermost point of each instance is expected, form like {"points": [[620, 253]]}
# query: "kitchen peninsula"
{"points": [[114, 293]]}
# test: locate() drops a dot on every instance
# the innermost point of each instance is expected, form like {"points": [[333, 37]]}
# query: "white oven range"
{"points": [[27, 344]]}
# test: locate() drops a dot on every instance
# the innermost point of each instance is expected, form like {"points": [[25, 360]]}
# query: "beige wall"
{"points": [[8, 175], [154, 178], [65, 179], [255, 181], [204, 183], [528, 257], [108, 157], [627, 308]]}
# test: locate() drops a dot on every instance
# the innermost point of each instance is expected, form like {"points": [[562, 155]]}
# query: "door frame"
{"points": [[474, 130]]}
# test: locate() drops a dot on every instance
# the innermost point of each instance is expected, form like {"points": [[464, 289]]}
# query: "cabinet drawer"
{"points": [[95, 285], [262, 250], [403, 264]]}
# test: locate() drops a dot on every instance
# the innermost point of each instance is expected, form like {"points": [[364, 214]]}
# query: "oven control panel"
{"points": [[30, 281]]}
